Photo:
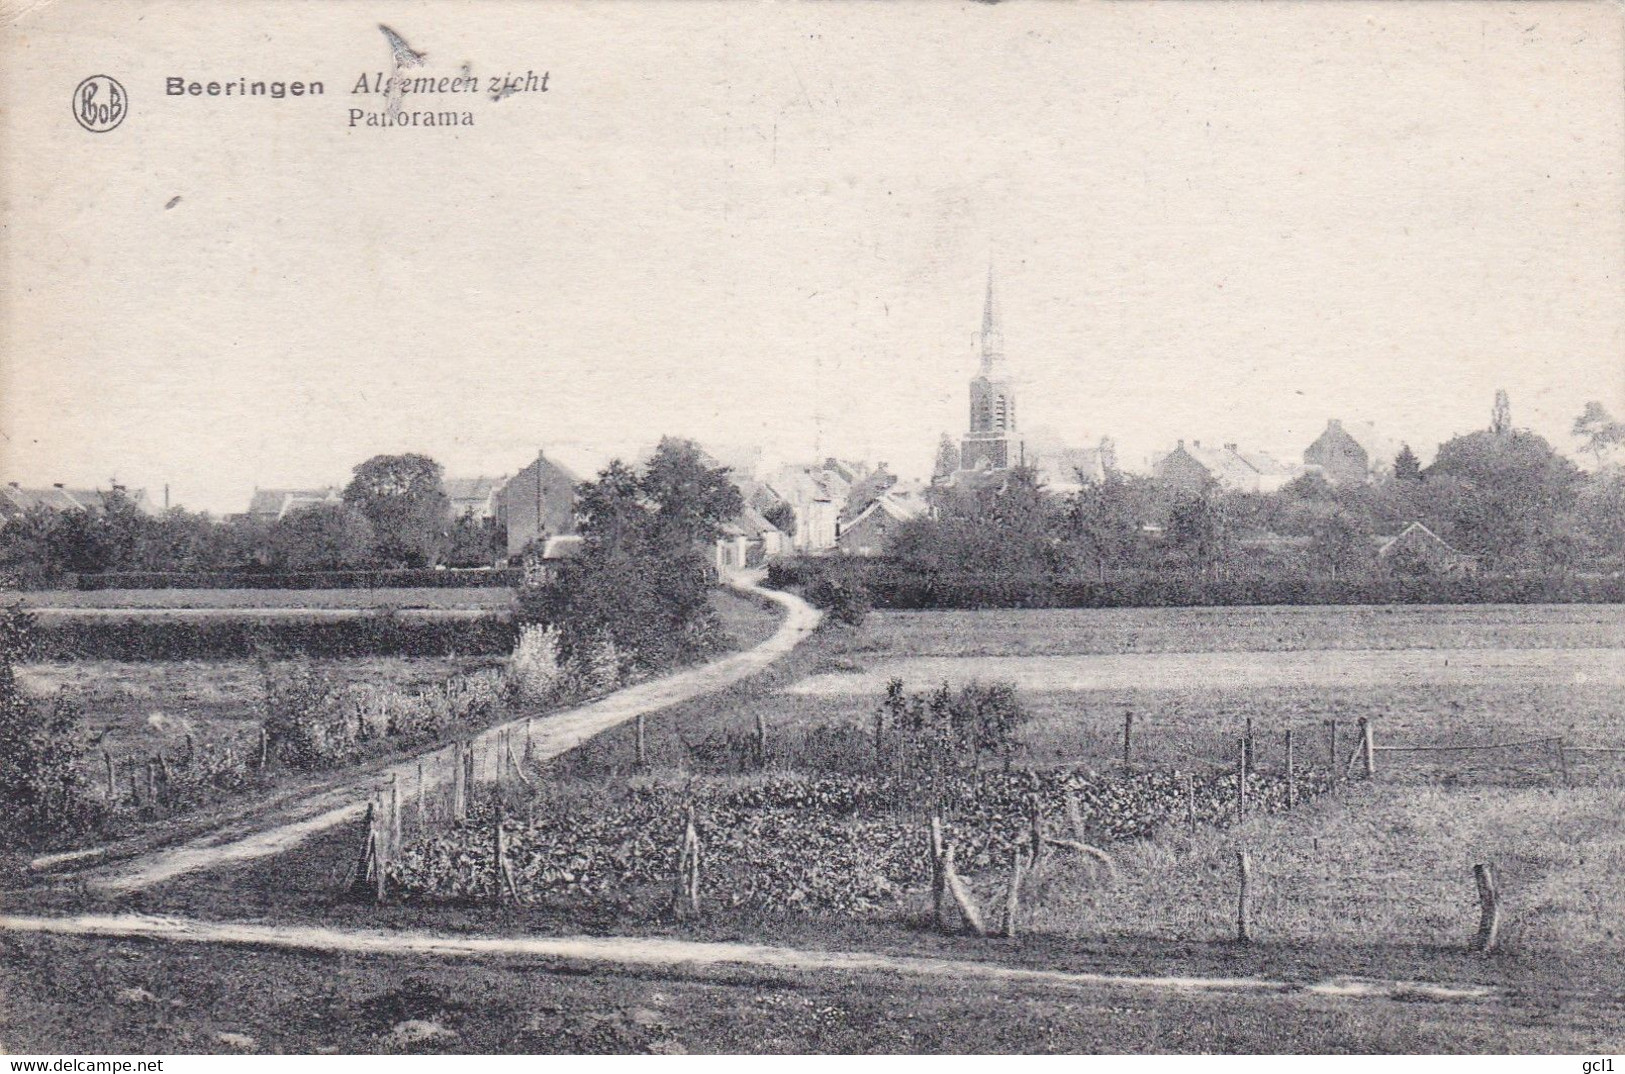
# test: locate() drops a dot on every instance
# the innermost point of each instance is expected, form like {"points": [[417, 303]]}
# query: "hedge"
{"points": [[462, 578], [900, 587], [217, 637]]}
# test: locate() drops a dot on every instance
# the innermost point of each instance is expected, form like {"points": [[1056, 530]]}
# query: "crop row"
{"points": [[847, 844]]}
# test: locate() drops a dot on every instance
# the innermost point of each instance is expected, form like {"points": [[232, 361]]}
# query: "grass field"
{"points": [[1192, 678]]}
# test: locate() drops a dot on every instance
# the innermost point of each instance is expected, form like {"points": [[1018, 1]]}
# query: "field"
{"points": [[1193, 678], [1369, 882]]}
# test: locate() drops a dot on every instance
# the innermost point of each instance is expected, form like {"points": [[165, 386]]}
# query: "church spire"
{"points": [[992, 335]]}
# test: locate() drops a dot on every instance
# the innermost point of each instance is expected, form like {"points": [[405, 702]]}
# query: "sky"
{"points": [[772, 224]]}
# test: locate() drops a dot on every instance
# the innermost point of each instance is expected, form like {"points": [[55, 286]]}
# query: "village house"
{"points": [[1418, 550], [816, 495], [868, 533], [473, 497], [268, 505], [1350, 454], [1191, 469], [16, 501], [536, 503]]}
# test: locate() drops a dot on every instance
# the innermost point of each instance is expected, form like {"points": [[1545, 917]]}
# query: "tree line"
{"points": [[1502, 496], [394, 513]]}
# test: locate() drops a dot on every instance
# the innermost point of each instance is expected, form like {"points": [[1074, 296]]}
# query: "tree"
{"points": [[42, 789], [1102, 524], [947, 459], [1506, 495], [1198, 529], [688, 495], [1003, 524], [641, 581], [404, 500], [1599, 432], [1407, 467], [474, 542], [322, 537], [1337, 544], [782, 516]]}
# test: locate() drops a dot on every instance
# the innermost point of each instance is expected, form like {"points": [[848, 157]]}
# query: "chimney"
{"points": [[1196, 443], [166, 495], [1230, 447], [1181, 446]]}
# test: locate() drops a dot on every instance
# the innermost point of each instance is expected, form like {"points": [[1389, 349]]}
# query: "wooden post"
{"points": [[1489, 904], [530, 750], [135, 783], [152, 782], [112, 780], [1190, 801], [1563, 761], [1247, 748], [363, 862], [423, 820], [1291, 774], [961, 895], [761, 740], [163, 768], [1331, 744], [1368, 753], [459, 784], [1244, 923], [394, 814], [939, 885], [640, 745], [1128, 739], [381, 858], [1241, 779], [1012, 894], [686, 897], [265, 747]]}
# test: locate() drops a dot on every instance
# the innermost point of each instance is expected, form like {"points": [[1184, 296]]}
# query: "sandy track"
{"points": [[550, 736], [692, 955]]}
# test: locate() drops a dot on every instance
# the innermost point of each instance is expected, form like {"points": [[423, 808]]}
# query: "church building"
{"points": [[991, 443]]}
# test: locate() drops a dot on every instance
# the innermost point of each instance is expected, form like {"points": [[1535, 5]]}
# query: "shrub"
{"points": [[844, 602], [146, 637], [42, 792], [534, 670]]}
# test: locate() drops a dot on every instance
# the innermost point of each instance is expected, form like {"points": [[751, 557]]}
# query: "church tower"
{"points": [[988, 444]]}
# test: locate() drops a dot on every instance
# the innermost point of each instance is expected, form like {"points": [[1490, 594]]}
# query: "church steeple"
{"points": [[992, 334]]}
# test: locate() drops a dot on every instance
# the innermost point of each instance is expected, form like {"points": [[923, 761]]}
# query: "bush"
{"points": [[314, 722], [164, 637], [469, 578], [42, 792], [843, 603]]}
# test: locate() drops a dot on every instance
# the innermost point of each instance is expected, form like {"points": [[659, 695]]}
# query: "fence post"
{"points": [[1012, 894], [1291, 774], [135, 783], [380, 857], [939, 885], [1247, 749], [1244, 916], [502, 881], [1563, 761], [152, 781], [1368, 750], [459, 784], [640, 744], [1489, 904], [1331, 758], [265, 747], [1128, 739], [530, 750], [363, 862], [1241, 778], [112, 781], [423, 821], [1190, 801], [761, 740], [394, 814], [686, 899]]}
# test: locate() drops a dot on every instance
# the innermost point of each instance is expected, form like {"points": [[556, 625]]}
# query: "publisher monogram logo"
{"points": [[100, 103]]}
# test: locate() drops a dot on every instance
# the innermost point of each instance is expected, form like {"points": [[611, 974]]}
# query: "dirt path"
{"points": [[283, 828], [613, 951]]}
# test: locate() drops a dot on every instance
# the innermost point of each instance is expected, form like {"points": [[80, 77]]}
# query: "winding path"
{"points": [[280, 829]]}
